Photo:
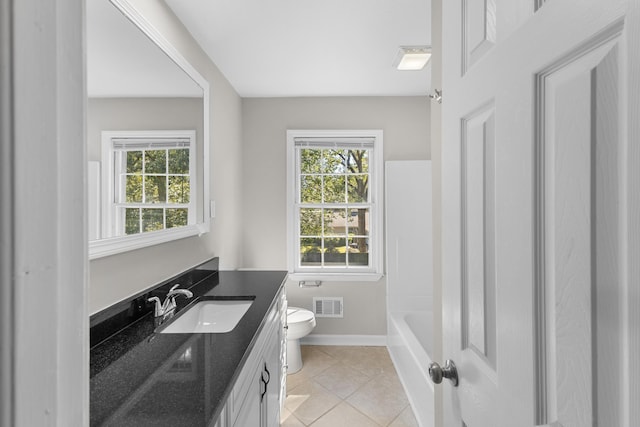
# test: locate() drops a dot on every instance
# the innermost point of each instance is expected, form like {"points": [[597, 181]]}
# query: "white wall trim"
{"points": [[7, 220], [49, 265], [356, 340]]}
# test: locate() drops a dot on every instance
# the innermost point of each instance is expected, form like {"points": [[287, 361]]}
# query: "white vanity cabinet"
{"points": [[256, 397]]}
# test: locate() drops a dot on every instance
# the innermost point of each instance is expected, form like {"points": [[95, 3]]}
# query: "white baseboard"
{"points": [[358, 340]]}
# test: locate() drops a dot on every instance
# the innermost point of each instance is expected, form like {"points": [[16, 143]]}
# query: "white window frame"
{"points": [[376, 169], [111, 221]]}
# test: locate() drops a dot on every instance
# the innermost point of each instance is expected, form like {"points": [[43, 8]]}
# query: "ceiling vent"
{"points": [[328, 306]]}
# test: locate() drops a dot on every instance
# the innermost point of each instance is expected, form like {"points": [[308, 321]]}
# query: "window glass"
{"points": [[152, 183], [333, 207]]}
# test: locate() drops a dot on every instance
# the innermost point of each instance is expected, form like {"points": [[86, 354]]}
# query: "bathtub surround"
{"points": [[409, 235], [410, 281]]}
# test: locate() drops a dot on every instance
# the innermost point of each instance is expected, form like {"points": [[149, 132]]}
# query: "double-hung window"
{"points": [[149, 183], [335, 204]]}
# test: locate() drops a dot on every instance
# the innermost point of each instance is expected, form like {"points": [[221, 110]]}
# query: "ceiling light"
{"points": [[412, 58]]}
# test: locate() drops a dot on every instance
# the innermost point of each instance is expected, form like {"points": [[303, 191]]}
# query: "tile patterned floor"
{"points": [[346, 386]]}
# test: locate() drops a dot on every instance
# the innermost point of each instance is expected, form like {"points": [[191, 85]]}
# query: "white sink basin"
{"points": [[209, 316]]}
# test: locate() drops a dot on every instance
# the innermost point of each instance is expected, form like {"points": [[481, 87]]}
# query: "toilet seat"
{"points": [[296, 314], [300, 321]]}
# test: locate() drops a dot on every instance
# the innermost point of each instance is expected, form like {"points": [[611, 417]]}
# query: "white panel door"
{"points": [[540, 152]]}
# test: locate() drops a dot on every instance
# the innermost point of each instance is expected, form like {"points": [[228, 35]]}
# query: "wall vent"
{"points": [[328, 306]]}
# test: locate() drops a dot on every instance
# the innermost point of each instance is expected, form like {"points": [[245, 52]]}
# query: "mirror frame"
{"points": [[116, 245]]}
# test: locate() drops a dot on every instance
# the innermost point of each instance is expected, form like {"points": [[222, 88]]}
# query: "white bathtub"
{"points": [[410, 341]]}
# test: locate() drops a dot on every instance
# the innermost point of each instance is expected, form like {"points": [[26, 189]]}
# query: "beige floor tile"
{"points": [[344, 415], [382, 353], [347, 386], [382, 398], [331, 350], [405, 419], [309, 401], [294, 380], [287, 419], [341, 379], [370, 361], [341, 351], [292, 422], [314, 360]]}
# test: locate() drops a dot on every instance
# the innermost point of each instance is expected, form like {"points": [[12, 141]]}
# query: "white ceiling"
{"points": [[276, 48]]}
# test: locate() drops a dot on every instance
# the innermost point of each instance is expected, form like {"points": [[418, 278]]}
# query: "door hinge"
{"points": [[436, 96]]}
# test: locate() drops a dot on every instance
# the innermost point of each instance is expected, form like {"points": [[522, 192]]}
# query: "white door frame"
{"points": [[631, 311], [436, 214], [44, 361]]}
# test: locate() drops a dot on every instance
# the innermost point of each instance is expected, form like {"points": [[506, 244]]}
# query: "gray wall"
{"points": [[140, 114], [116, 277], [405, 122]]}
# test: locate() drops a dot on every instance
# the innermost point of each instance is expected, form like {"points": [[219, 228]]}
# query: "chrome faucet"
{"points": [[168, 307]]}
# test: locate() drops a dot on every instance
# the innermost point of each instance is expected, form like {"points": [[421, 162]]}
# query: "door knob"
{"points": [[449, 371]]}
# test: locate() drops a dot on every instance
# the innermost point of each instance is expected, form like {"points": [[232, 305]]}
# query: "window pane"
{"points": [[152, 219], [335, 251], [310, 251], [177, 217], [334, 206], [133, 189], [359, 251], [134, 161], [310, 160], [333, 161], [179, 161], [155, 189], [358, 161], [310, 222], [358, 190], [131, 221], [334, 189], [358, 222], [179, 189], [155, 161], [335, 222], [310, 189]]}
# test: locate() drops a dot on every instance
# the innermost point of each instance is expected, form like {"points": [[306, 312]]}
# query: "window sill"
{"points": [[335, 277], [116, 245]]}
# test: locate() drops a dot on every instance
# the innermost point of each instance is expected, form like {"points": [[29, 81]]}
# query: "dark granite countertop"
{"points": [[142, 378]]}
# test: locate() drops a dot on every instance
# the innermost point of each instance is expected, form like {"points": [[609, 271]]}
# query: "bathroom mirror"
{"points": [[147, 134]]}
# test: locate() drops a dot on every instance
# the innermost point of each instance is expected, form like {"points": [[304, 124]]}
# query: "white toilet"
{"points": [[300, 323]]}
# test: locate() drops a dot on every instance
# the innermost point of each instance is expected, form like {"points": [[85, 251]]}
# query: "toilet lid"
{"points": [[295, 315]]}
